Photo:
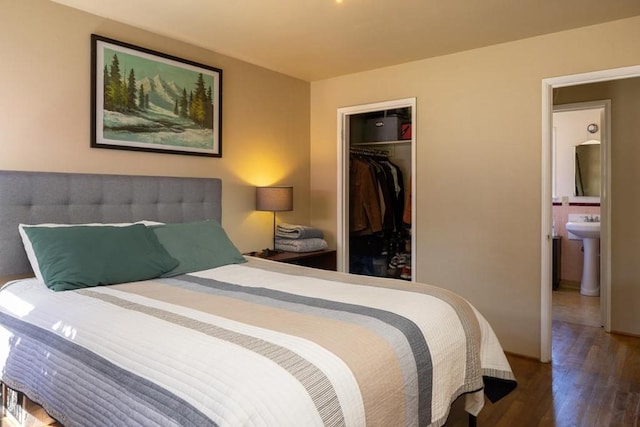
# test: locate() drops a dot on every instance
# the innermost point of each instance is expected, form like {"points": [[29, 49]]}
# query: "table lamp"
{"points": [[274, 199]]}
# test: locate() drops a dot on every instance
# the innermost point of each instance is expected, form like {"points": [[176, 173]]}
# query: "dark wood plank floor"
{"points": [[593, 380]]}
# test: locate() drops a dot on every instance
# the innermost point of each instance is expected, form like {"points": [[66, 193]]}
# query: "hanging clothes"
{"points": [[376, 193], [406, 216], [397, 192], [377, 239], [365, 212]]}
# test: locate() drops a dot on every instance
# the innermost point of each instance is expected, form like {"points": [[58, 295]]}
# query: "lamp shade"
{"points": [[274, 199]]}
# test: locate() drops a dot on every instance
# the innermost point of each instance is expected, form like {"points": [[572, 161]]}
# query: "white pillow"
{"points": [[28, 247]]}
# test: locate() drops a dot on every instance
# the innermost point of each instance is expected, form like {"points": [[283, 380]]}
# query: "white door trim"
{"points": [[546, 215]]}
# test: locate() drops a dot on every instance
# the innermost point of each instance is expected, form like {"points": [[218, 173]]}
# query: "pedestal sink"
{"points": [[589, 232]]}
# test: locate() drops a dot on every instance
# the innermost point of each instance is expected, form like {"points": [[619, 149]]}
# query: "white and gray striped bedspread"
{"points": [[255, 344]]}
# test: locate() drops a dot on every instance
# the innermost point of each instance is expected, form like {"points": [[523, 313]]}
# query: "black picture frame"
{"points": [[144, 100]]}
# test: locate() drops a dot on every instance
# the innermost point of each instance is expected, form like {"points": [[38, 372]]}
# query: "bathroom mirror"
{"points": [[587, 169]]}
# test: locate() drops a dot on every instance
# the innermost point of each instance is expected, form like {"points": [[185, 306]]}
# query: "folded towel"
{"points": [[300, 245], [290, 231]]}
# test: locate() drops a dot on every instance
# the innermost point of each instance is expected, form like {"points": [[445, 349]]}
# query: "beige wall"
{"points": [[45, 111], [479, 162], [625, 193]]}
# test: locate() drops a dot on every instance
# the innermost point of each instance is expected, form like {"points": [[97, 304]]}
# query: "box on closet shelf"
{"points": [[382, 129], [405, 131]]}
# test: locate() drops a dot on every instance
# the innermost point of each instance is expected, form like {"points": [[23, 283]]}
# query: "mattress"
{"points": [[253, 344]]}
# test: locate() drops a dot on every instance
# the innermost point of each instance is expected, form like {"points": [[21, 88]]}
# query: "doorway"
{"points": [[580, 148], [548, 86]]}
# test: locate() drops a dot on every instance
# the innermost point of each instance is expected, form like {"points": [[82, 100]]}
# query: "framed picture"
{"points": [[149, 101]]}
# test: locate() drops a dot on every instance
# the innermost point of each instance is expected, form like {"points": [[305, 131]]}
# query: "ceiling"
{"points": [[318, 39]]}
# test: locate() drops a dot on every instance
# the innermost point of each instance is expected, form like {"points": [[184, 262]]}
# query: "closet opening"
{"points": [[376, 209]]}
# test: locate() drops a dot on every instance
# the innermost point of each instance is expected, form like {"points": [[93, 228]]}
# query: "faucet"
{"points": [[591, 218]]}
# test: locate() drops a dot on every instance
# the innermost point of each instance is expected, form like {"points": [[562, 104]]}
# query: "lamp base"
{"points": [[265, 253]]}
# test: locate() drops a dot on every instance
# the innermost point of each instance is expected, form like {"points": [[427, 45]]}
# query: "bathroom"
{"points": [[576, 154]]}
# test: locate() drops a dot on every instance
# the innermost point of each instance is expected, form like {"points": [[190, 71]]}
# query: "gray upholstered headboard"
{"points": [[43, 197]]}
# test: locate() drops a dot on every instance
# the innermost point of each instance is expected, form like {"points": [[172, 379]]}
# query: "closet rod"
{"points": [[369, 152]]}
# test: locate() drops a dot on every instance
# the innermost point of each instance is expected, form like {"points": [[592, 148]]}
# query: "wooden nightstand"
{"points": [[324, 259]]}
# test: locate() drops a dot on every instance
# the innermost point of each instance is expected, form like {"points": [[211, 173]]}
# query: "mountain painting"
{"points": [[145, 100]]}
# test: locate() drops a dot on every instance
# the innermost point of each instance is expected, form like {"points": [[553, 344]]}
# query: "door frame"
{"points": [[548, 85], [342, 236]]}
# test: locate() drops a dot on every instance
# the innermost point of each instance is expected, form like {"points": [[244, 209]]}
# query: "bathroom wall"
{"points": [[570, 129], [571, 257]]}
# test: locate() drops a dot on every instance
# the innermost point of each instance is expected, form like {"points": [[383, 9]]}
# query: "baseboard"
{"points": [[523, 356], [569, 284], [625, 334]]}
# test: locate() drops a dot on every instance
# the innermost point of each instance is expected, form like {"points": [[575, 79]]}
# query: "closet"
{"points": [[376, 208]]}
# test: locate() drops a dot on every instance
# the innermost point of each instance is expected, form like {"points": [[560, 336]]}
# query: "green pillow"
{"points": [[197, 246], [83, 256]]}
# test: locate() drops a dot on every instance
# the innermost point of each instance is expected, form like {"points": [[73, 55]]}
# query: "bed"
{"points": [[239, 341]]}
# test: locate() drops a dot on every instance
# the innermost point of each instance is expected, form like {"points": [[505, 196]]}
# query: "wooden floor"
{"points": [[570, 306], [593, 380]]}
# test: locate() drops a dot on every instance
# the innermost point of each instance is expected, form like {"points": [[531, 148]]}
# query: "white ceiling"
{"points": [[318, 39]]}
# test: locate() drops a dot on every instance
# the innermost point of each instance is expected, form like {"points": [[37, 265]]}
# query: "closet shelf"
{"points": [[401, 141]]}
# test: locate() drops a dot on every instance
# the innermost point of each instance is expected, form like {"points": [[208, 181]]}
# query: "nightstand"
{"points": [[324, 259]]}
